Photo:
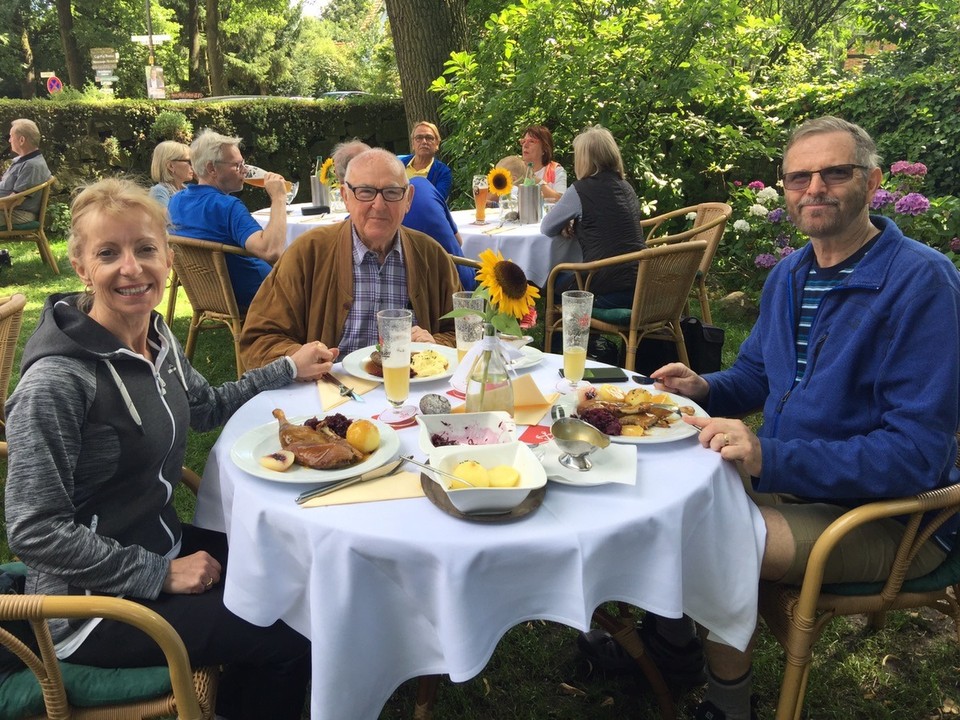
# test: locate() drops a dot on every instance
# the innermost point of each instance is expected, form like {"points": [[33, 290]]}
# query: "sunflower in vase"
{"points": [[509, 299]]}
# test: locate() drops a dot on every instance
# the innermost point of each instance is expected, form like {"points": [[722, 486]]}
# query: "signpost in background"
{"points": [[104, 61], [54, 84]]}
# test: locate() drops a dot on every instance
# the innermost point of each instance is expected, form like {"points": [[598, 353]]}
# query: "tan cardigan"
{"points": [[309, 293]]}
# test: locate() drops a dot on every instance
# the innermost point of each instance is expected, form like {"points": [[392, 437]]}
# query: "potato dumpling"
{"points": [[363, 435], [632, 430], [637, 396], [610, 393], [504, 476], [279, 461], [473, 472]]}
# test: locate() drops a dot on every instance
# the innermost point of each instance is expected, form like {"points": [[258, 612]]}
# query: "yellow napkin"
{"points": [[393, 487], [330, 395], [529, 404]]}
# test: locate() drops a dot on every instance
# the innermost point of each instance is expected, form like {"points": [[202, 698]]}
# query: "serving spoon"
{"points": [[438, 471]]}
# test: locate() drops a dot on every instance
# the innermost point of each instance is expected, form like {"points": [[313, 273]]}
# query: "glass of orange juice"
{"points": [[577, 306], [395, 328]]}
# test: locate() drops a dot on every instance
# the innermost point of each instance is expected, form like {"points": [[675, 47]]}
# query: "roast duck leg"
{"points": [[321, 449]]}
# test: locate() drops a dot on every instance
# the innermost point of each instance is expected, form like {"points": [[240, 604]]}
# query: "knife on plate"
{"points": [[381, 471], [345, 391]]}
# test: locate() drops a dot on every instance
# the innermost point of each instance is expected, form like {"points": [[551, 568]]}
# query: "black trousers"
{"points": [[267, 669]]}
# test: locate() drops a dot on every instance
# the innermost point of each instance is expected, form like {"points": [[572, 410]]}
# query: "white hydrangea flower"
{"points": [[768, 195], [691, 215], [758, 210], [741, 226]]}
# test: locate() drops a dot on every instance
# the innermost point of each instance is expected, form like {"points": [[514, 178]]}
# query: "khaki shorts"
{"points": [[864, 555]]}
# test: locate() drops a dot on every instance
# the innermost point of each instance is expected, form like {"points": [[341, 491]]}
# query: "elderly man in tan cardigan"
{"points": [[329, 285]]}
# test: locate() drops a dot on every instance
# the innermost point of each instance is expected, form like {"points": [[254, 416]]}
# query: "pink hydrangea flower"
{"points": [[955, 245], [765, 261], [912, 204], [756, 186]]}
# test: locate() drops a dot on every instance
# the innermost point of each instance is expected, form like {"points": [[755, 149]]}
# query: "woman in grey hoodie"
{"points": [[97, 432]]}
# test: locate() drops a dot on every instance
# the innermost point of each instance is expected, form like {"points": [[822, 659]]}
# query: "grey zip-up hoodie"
{"points": [[97, 436]]}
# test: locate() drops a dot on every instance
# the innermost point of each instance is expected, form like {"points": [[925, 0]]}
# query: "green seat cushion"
{"points": [[614, 316], [944, 575], [32, 225], [86, 686]]}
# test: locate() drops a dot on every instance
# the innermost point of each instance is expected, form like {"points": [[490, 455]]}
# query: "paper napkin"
{"points": [[393, 487], [529, 404], [330, 396]]}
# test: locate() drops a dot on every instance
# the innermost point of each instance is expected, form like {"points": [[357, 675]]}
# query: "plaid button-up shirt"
{"points": [[375, 287]]}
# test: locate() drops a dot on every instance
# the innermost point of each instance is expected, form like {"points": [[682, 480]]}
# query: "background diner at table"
{"points": [[170, 169], [536, 146], [27, 170], [97, 432], [423, 161], [208, 211], [329, 285]]}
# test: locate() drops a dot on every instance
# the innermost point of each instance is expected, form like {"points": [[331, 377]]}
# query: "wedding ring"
{"points": [[209, 582]]}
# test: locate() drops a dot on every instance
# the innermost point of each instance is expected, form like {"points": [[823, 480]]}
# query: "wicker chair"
{"points": [[664, 278], [11, 320], [106, 694], [709, 224], [798, 615], [31, 231], [201, 267]]}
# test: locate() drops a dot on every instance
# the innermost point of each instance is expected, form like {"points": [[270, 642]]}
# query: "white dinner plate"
{"points": [[265, 439], [357, 360], [531, 357], [677, 430], [612, 464]]}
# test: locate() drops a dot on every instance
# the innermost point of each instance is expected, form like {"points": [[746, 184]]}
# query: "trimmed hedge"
{"points": [[85, 141]]}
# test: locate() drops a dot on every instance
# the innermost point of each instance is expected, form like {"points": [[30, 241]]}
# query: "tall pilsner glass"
{"points": [[395, 328], [577, 306]]}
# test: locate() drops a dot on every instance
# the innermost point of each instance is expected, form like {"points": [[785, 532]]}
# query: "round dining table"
{"points": [[396, 589], [297, 222], [534, 252]]}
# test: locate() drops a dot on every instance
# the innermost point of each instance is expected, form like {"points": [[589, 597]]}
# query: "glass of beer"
{"points": [[469, 327], [480, 191], [255, 176], [577, 306], [395, 329]]}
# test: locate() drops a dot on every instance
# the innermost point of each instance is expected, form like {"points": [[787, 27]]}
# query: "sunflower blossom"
{"points": [[510, 293], [500, 181], [325, 178]]}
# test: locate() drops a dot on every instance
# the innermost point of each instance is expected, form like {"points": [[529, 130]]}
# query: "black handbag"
{"points": [[704, 348]]}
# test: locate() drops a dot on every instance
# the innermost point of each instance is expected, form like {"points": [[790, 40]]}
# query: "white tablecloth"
{"points": [[534, 252], [393, 590], [297, 222]]}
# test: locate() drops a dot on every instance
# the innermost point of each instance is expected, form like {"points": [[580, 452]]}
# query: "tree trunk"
{"points": [[214, 54], [28, 82], [425, 32], [68, 39], [192, 28]]}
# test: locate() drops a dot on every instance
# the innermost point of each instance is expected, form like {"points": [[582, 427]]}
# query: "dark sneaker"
{"points": [[684, 667], [605, 653], [708, 711]]}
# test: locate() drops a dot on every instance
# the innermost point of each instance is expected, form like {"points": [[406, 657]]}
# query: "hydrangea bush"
{"points": [[934, 221], [759, 236]]}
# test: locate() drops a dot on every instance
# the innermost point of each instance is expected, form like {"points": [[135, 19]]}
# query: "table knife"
{"points": [[381, 471], [345, 391]]}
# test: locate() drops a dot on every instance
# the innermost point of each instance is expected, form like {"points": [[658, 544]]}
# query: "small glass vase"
{"points": [[489, 386]]}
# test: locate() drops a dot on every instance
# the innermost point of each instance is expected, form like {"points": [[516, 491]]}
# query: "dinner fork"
{"points": [[344, 390]]}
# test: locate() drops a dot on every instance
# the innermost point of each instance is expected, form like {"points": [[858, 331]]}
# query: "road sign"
{"points": [[107, 79], [48, 74], [145, 39], [54, 85], [104, 73]]}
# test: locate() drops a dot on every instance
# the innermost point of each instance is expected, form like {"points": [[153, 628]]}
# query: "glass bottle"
{"points": [[529, 178], [489, 386]]}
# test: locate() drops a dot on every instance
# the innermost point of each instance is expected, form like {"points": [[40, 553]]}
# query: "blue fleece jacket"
{"points": [[440, 175], [876, 412]]}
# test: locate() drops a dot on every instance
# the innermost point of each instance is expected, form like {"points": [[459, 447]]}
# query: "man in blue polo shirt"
{"points": [[28, 170], [207, 211]]}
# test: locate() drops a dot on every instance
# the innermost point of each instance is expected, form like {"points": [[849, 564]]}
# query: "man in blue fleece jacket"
{"points": [[855, 360]]}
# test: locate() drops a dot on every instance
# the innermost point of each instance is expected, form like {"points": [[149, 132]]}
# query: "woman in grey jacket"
{"points": [[97, 433]]}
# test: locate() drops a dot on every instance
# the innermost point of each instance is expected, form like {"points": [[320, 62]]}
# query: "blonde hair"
{"points": [[595, 150], [163, 154], [426, 123], [114, 197], [514, 165], [27, 129]]}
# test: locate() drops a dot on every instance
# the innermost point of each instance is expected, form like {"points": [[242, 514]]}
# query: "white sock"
{"points": [[731, 698]]}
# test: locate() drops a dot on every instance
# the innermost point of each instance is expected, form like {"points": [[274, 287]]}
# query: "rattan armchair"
{"points": [[798, 615], [11, 320], [664, 278], [31, 231], [201, 267], [708, 224], [108, 694]]}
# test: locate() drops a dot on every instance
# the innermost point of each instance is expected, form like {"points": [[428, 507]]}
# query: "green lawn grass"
{"points": [[908, 670]]}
